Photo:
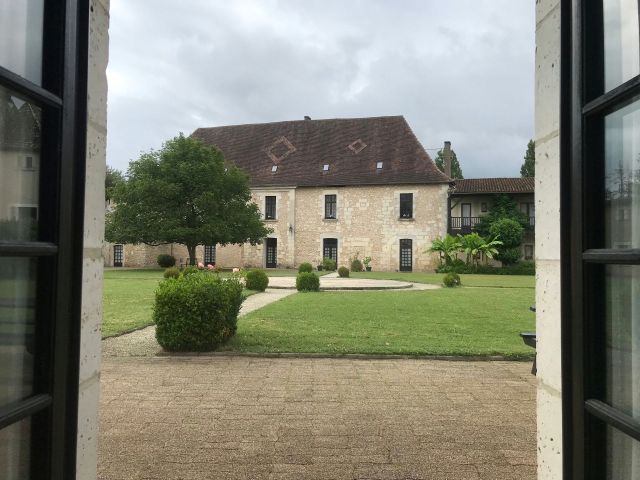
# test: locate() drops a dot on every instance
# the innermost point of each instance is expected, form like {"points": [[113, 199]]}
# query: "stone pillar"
{"points": [[89, 388], [547, 249]]}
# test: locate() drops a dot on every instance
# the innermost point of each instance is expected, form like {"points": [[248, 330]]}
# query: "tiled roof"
{"points": [[495, 185], [352, 148]]}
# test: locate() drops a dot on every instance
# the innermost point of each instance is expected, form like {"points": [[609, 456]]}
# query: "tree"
{"points": [[510, 233], [503, 206], [456, 170], [184, 193], [112, 178], [528, 168], [447, 247]]}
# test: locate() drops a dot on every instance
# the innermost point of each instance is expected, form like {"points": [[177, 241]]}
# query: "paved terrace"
{"points": [[195, 418]]}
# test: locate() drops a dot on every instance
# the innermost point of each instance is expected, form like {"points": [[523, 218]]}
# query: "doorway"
{"points": [[118, 255], [272, 253], [406, 255], [330, 249]]}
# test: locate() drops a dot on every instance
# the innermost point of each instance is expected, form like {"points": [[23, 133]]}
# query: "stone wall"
{"points": [[91, 315], [547, 121], [145, 256]]}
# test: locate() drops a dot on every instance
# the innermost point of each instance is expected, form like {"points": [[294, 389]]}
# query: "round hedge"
{"points": [[172, 272], [256, 280], [343, 272], [305, 267], [307, 282], [451, 280], [356, 265], [166, 261], [508, 231], [197, 312]]}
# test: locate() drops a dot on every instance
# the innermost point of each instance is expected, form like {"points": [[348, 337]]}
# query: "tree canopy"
{"points": [[456, 170], [184, 193], [528, 168], [112, 178]]}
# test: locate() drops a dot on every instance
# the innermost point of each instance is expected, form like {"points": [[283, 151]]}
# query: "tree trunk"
{"points": [[192, 254]]}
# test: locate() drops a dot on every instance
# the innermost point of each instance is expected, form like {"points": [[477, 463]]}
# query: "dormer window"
{"points": [[274, 169], [379, 166], [325, 168]]}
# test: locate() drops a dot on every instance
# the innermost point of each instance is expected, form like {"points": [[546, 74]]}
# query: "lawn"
{"points": [[464, 321], [503, 281], [128, 299]]}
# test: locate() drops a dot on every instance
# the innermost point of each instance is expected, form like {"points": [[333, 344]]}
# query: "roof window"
{"points": [[274, 168], [325, 168], [379, 165]]}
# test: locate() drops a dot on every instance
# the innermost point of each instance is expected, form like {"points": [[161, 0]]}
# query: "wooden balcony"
{"points": [[465, 225]]}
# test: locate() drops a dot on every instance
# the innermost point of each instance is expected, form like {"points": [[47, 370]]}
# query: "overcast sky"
{"points": [[457, 70]]}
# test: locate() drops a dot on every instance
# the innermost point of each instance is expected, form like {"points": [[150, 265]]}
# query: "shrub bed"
{"points": [[343, 272], [166, 261], [356, 265], [520, 268], [308, 282], [305, 267], [256, 280], [172, 272], [197, 312], [329, 265]]}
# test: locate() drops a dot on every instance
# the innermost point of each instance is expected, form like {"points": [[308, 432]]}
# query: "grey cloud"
{"points": [[457, 71]]}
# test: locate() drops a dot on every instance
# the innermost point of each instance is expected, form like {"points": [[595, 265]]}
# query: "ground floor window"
{"points": [[330, 249], [528, 252], [406, 255], [209, 254], [118, 255]]}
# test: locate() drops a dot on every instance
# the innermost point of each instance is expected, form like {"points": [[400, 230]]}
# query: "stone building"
{"points": [[336, 188], [471, 199]]}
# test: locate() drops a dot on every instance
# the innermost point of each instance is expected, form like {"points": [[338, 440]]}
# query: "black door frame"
{"points": [[118, 255], [62, 96], [328, 243], [410, 248], [583, 256], [271, 243]]}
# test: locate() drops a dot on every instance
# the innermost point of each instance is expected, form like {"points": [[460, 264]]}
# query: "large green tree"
{"points": [[184, 193], [456, 170], [528, 168], [112, 178]]}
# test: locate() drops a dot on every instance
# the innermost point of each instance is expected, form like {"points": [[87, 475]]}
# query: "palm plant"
{"points": [[447, 247], [490, 249], [471, 245]]}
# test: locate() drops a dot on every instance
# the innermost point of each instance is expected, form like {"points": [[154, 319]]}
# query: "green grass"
{"points": [[128, 299], [504, 281], [461, 321]]}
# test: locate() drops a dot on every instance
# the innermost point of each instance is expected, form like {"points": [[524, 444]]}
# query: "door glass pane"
{"points": [[622, 178], [623, 456], [622, 320], [19, 167], [17, 327], [21, 37], [621, 49], [15, 451]]}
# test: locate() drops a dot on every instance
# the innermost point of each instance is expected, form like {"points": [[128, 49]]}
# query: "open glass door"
{"points": [[601, 239]]}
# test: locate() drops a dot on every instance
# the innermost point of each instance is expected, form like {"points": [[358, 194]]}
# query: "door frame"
{"points": [[266, 252], [400, 268]]}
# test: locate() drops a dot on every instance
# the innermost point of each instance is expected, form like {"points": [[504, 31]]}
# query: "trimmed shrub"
{"points": [[166, 261], [305, 267], [520, 268], [197, 312], [256, 280], [356, 265], [451, 280], [189, 270], [343, 272], [320, 267], [329, 265], [510, 256], [172, 272], [308, 282]]}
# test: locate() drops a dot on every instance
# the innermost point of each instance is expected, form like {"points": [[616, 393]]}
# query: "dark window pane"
{"points": [[21, 38], [209, 254], [15, 446], [330, 206], [17, 327], [406, 205], [19, 167], [622, 178], [622, 317], [330, 248], [621, 42], [623, 456], [270, 208]]}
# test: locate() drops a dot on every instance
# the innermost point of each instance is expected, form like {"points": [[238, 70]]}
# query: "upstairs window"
{"points": [[270, 208], [330, 206], [406, 205]]}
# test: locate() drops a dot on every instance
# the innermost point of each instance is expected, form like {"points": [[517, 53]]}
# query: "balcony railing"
{"points": [[468, 223]]}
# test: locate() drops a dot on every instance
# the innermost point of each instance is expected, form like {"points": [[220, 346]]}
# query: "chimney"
{"points": [[446, 156], [307, 117]]}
